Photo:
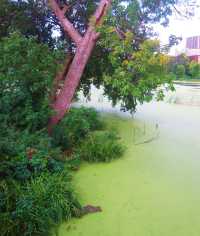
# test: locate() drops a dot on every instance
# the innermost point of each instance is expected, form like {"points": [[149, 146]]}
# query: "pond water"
{"points": [[154, 189]]}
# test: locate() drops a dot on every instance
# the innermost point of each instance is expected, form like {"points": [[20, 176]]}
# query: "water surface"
{"points": [[154, 190]]}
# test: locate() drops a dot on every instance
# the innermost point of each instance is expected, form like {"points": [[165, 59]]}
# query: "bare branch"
{"points": [[179, 12]]}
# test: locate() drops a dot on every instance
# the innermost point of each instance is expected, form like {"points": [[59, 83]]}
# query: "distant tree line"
{"points": [[185, 69]]}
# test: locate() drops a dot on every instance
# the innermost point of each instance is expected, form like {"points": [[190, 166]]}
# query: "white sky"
{"points": [[180, 26]]}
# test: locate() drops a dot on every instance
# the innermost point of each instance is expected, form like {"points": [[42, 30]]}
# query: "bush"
{"points": [[13, 142], [25, 81], [73, 162], [25, 155], [194, 70], [39, 205], [75, 126], [180, 71], [22, 168], [100, 146]]}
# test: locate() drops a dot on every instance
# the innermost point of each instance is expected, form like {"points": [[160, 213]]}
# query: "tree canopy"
{"points": [[113, 57]]}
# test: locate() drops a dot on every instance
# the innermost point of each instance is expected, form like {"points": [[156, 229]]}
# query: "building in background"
{"points": [[193, 48]]}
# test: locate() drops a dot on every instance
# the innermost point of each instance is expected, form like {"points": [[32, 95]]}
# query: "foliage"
{"points": [[194, 70], [135, 17], [181, 59], [14, 141], [33, 18], [100, 146], [25, 82], [73, 161], [29, 164], [184, 68], [180, 71], [75, 126], [25, 154], [37, 205], [30, 18], [35, 191], [135, 74]]}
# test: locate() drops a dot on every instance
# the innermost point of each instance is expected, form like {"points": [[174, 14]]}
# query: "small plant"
{"points": [[75, 126], [100, 146], [73, 162]]}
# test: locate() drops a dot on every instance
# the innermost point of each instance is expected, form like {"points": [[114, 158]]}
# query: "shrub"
{"points": [[100, 146], [25, 81], [75, 126], [73, 162], [22, 168], [180, 71], [39, 205], [13, 142], [194, 70], [24, 155]]}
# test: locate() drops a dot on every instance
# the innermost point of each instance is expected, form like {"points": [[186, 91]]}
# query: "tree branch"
{"points": [[120, 33], [101, 11], [179, 12], [65, 9], [66, 24], [98, 18]]}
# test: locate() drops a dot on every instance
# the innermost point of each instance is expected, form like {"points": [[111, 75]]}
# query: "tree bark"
{"points": [[63, 101], [85, 46], [60, 77]]}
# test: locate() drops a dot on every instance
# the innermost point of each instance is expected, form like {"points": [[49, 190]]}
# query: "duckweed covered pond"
{"points": [[154, 190]]}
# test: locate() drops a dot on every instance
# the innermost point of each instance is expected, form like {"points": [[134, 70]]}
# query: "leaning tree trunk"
{"points": [[85, 46], [64, 99]]}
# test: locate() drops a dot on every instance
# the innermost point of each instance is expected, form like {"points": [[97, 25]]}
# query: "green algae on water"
{"points": [[153, 190]]}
